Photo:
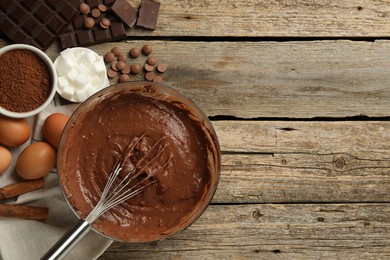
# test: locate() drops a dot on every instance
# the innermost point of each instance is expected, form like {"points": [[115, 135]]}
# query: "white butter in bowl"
{"points": [[81, 73]]}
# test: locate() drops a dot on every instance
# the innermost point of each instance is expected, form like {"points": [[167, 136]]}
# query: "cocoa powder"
{"points": [[25, 81]]}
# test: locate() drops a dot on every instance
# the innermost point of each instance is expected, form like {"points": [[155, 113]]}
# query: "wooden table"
{"points": [[299, 95]]}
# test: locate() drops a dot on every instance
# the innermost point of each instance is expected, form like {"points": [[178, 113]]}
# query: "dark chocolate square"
{"points": [[7, 23], [44, 36], [31, 25], [67, 40], [101, 35], [22, 37], [4, 4], [92, 3], [44, 13], [85, 38], [56, 24], [117, 31], [78, 22], [17, 14]]}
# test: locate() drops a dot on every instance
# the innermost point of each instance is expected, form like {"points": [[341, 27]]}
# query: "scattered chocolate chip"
{"points": [[158, 79], [122, 57], [148, 67], [111, 73], [89, 22], [116, 50], [105, 23], [95, 13], [148, 14], [162, 67], [124, 11], [113, 65], [109, 57], [121, 65], [124, 78], [126, 70], [147, 50], [84, 8], [102, 8], [135, 68], [151, 61], [149, 76], [134, 53]]}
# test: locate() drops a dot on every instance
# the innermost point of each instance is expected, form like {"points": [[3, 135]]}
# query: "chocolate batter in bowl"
{"points": [[101, 129]]}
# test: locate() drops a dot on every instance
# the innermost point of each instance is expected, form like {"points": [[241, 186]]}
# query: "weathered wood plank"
{"points": [[280, 161], [276, 79], [285, 18], [266, 231]]}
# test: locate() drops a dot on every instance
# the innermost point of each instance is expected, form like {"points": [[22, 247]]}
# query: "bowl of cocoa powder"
{"points": [[28, 80]]}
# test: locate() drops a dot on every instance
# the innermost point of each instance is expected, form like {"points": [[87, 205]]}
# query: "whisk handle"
{"points": [[67, 241]]}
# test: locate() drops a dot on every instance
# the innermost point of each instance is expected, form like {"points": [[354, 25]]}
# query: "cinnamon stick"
{"points": [[23, 212], [19, 188]]}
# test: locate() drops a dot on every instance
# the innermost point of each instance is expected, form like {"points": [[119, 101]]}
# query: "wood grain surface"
{"points": [[271, 18], [275, 79], [269, 231], [298, 92]]}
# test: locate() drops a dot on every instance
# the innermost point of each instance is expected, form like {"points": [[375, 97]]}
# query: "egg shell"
{"points": [[5, 159], [53, 127], [36, 161], [13, 131]]}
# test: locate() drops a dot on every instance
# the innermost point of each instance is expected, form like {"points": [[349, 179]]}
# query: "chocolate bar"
{"points": [[125, 12], [148, 14], [76, 34], [35, 22]]}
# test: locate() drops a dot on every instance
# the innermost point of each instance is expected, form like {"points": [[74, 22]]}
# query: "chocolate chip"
{"points": [[105, 23], [121, 65], [148, 67], [151, 61], [89, 22], [84, 8], [113, 65], [109, 57], [147, 50], [135, 69], [102, 8], [158, 79], [111, 73], [162, 67], [134, 53], [149, 76], [126, 70], [116, 51], [95, 13], [122, 57], [124, 78]]}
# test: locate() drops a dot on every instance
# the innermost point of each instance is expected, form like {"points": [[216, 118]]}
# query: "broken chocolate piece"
{"points": [[125, 12], [148, 14]]}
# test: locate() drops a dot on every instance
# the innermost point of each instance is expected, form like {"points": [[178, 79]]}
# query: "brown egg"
{"points": [[36, 161], [14, 132], [53, 127], [5, 159]]}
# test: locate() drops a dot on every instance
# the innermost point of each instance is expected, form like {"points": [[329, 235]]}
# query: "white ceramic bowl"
{"points": [[53, 75]]}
